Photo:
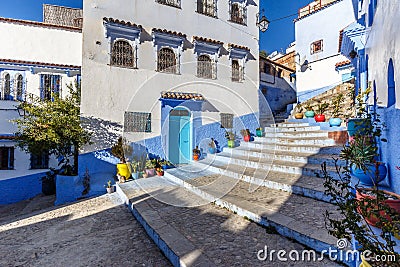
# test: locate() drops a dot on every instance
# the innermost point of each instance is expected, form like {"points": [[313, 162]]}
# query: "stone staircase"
{"points": [[271, 181]]}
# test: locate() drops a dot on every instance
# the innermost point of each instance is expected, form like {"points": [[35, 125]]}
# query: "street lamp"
{"points": [[262, 23]]}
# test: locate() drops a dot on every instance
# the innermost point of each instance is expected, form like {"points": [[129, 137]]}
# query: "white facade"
{"points": [[110, 91], [35, 60], [322, 25]]}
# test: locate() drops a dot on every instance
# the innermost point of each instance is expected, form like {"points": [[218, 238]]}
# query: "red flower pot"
{"points": [[246, 138], [160, 173], [320, 118], [195, 157], [392, 203]]}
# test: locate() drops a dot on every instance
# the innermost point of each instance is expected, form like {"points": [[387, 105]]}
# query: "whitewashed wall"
{"points": [[109, 91], [326, 25]]}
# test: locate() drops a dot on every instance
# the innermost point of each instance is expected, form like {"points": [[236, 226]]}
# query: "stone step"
{"points": [[293, 147], [262, 168], [291, 129], [293, 140], [293, 216], [238, 155], [192, 232], [290, 124], [295, 134]]}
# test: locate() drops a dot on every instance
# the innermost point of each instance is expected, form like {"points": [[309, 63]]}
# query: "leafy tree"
{"points": [[53, 126]]}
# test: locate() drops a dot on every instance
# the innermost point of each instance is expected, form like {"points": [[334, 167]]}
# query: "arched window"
{"points": [[7, 87], [166, 60], [122, 54], [391, 85], [204, 67], [20, 83]]}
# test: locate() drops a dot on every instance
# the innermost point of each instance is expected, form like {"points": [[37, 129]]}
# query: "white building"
{"points": [[36, 59], [317, 29], [171, 71]]}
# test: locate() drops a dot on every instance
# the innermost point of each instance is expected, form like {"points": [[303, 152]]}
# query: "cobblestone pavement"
{"points": [[95, 232], [223, 237]]}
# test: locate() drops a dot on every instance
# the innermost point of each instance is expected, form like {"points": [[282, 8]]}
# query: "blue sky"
{"points": [[279, 35]]}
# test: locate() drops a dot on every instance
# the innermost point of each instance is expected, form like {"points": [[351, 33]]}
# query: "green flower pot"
{"points": [[231, 143]]}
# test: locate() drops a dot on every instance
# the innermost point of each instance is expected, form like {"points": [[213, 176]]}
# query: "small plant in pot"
{"points": [[246, 134], [196, 153], [109, 187], [212, 147], [259, 132], [160, 171], [134, 169], [321, 108], [362, 121], [118, 150], [230, 137], [335, 120], [309, 111], [298, 111], [150, 167]]}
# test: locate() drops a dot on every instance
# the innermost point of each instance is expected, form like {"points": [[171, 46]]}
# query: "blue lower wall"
{"points": [[21, 188]]}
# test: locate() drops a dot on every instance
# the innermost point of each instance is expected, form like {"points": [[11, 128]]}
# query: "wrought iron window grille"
{"points": [[137, 122], [237, 71], [173, 3], [206, 68], [207, 7], [226, 120], [166, 61], [238, 13], [122, 54]]}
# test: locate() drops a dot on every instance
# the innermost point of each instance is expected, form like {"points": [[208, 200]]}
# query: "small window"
{"points": [[6, 158], [279, 73], [122, 54], [238, 13], [20, 84], [7, 87], [316, 47], [49, 85], [207, 7], [237, 71], [205, 67], [173, 3], [137, 122], [226, 120], [166, 61], [40, 161]]}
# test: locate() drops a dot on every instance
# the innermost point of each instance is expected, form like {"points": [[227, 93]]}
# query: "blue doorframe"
{"points": [[179, 136]]}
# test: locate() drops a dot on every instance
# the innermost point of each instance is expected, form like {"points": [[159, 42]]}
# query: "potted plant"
{"points": [[298, 111], [246, 134], [160, 171], [321, 108], [309, 111], [259, 132], [134, 169], [196, 153], [335, 121], [230, 136], [149, 167], [109, 187], [362, 121], [212, 147], [118, 150]]}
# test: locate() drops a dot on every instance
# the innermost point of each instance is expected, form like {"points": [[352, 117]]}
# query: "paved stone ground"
{"points": [[95, 232]]}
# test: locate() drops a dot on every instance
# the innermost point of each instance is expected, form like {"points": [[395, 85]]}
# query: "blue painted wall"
{"points": [[17, 189]]}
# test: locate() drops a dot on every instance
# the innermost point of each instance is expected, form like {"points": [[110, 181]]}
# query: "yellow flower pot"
{"points": [[123, 170]]}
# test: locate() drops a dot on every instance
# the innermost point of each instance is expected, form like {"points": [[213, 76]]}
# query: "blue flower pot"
{"points": [[259, 133], [335, 122], [212, 150], [309, 114], [369, 177], [357, 126], [135, 175]]}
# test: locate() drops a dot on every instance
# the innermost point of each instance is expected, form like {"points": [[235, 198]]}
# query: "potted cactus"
{"points": [[109, 187], [298, 111], [321, 108], [309, 111], [230, 136], [259, 132], [335, 121], [196, 153], [246, 134], [119, 150], [212, 147]]}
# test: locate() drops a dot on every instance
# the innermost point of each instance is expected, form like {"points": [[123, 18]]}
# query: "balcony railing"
{"points": [[314, 6]]}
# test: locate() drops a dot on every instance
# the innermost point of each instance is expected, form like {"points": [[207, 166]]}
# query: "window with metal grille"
{"points": [[205, 67], [207, 7], [7, 87], [40, 161], [137, 122], [226, 120], [316, 47], [166, 60], [122, 54], [20, 84], [238, 13], [49, 85], [237, 71], [173, 3], [6, 158]]}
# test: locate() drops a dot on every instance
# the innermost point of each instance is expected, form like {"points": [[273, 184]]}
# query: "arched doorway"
{"points": [[179, 141], [391, 85]]}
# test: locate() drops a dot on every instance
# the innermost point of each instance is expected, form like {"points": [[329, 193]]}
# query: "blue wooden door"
{"points": [[179, 136]]}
